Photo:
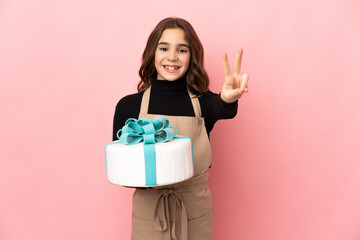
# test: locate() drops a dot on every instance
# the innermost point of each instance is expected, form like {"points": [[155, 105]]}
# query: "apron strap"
{"points": [[162, 221], [196, 104], [145, 101], [146, 98]]}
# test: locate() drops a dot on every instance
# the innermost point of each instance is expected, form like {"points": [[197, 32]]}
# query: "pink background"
{"points": [[286, 168]]}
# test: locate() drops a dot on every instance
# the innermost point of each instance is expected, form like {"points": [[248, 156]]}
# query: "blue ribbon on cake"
{"points": [[148, 131]]}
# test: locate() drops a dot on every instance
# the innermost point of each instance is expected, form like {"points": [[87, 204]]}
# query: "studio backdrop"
{"points": [[285, 168]]}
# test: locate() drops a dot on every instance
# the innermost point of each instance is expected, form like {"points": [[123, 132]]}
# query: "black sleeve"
{"points": [[127, 107], [213, 108]]}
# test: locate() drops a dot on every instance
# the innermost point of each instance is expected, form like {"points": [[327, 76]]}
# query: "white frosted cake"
{"points": [[125, 164]]}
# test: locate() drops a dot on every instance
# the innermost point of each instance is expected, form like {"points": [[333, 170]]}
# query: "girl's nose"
{"points": [[172, 57]]}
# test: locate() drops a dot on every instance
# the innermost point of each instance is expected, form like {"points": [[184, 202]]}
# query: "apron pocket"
{"points": [[198, 229], [144, 229], [201, 228]]}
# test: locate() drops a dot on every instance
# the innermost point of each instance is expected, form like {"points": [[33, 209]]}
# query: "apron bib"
{"points": [[184, 210]]}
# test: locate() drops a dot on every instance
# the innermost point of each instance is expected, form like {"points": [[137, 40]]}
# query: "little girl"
{"points": [[174, 84]]}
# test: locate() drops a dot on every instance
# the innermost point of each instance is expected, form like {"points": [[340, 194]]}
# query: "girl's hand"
{"points": [[234, 85]]}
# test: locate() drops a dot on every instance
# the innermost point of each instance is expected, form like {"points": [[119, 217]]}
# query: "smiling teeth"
{"points": [[171, 68]]}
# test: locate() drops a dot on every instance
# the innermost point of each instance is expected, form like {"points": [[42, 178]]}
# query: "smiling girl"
{"points": [[174, 84]]}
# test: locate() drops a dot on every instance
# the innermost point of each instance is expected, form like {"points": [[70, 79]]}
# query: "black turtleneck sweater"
{"points": [[172, 98]]}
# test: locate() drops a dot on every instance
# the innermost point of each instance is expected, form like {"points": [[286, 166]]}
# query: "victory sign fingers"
{"points": [[235, 84]]}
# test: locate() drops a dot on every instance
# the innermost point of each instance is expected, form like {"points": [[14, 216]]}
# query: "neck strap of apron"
{"points": [[146, 97]]}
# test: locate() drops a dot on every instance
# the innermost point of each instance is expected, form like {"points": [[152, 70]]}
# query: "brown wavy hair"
{"points": [[197, 79]]}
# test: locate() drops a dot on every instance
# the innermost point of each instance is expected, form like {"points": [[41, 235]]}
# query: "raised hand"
{"points": [[234, 85]]}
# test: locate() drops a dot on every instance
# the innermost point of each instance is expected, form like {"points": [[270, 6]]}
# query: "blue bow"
{"points": [[149, 131]]}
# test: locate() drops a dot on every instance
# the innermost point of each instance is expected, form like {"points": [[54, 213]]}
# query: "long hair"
{"points": [[197, 79]]}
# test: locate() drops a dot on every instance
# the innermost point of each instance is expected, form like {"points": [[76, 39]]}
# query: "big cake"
{"points": [[143, 158]]}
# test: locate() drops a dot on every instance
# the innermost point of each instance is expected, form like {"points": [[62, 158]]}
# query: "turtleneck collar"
{"points": [[169, 87]]}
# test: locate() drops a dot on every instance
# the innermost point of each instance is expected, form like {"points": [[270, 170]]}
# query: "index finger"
{"points": [[226, 65], [238, 61]]}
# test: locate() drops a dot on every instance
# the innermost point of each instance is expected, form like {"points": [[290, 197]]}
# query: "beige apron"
{"points": [[184, 210]]}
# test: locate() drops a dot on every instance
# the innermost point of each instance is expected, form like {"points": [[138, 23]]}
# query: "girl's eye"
{"points": [[183, 51], [162, 49]]}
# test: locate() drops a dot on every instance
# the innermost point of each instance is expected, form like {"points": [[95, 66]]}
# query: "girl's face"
{"points": [[172, 55]]}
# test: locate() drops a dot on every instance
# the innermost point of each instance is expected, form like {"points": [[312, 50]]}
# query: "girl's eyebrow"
{"points": [[180, 44]]}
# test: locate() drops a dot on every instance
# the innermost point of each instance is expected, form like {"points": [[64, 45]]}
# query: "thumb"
{"points": [[231, 95]]}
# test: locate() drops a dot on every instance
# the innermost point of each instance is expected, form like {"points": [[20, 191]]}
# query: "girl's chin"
{"points": [[169, 78]]}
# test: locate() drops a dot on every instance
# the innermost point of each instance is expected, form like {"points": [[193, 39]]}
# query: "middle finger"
{"points": [[238, 61]]}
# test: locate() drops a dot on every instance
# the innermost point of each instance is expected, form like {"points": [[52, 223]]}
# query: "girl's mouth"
{"points": [[170, 68]]}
